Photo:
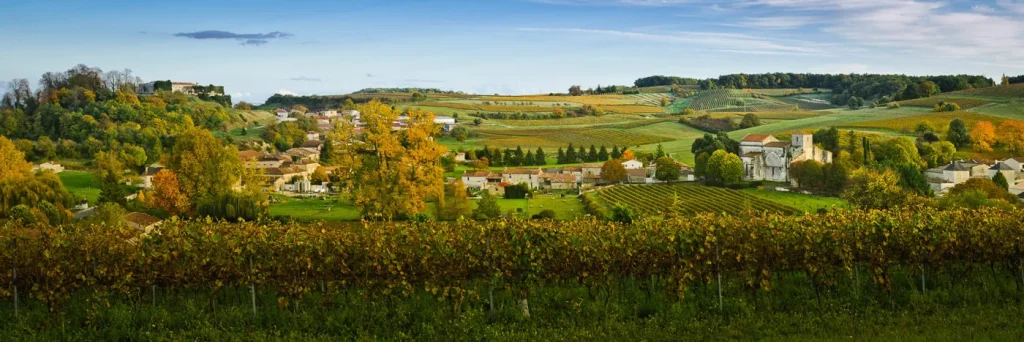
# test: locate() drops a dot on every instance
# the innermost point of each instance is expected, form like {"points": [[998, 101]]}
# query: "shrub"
{"points": [[518, 191], [544, 214], [22, 213]]}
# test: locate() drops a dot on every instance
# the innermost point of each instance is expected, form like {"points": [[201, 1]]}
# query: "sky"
{"points": [[258, 48]]}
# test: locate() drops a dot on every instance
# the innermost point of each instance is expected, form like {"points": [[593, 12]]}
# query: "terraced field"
{"points": [[691, 199]]}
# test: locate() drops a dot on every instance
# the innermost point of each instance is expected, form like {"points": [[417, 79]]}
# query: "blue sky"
{"points": [[503, 46]]}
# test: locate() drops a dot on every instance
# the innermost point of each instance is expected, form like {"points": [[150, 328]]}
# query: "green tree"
{"points": [[602, 155], [750, 120], [731, 169], [111, 191], [713, 167], [836, 176], [487, 208], [455, 203], [659, 152], [913, 180], [666, 169], [539, 158], [1001, 181], [870, 189], [459, 133], [700, 165], [808, 174], [957, 134]]}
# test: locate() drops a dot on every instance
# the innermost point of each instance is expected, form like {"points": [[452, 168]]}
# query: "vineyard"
{"points": [[728, 100], [806, 102], [594, 100], [929, 102], [936, 121], [783, 115], [1010, 91], [784, 91], [766, 266], [649, 200]]}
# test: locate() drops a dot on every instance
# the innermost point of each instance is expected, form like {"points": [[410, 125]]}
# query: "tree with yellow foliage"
{"points": [[1011, 134], [205, 167], [166, 195], [342, 150], [455, 203], [983, 135], [399, 170], [627, 155], [12, 161]]}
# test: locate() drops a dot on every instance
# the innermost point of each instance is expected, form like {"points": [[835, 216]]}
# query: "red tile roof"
{"points": [[522, 171], [756, 137], [778, 144], [141, 219]]}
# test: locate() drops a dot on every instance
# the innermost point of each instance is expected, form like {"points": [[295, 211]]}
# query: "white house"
{"points": [[591, 169], [632, 164], [1017, 189], [943, 178], [530, 177], [558, 181], [49, 166], [766, 158], [312, 135], [460, 157], [1005, 169], [1015, 163], [147, 177]]}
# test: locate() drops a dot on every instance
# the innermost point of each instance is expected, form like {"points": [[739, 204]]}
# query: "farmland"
{"points": [[81, 184], [564, 136], [689, 200], [939, 122], [929, 102]]}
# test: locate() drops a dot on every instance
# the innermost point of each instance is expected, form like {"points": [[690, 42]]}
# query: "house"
{"points": [[313, 145], [591, 169], [278, 177], [589, 180], [1016, 163], [558, 181], [460, 157], [1005, 169], [943, 178], [328, 113], [766, 158], [633, 164], [686, 174], [141, 221], [147, 177], [1017, 189], [476, 179], [302, 153], [636, 176], [49, 166], [306, 164], [530, 177], [575, 171], [263, 160], [351, 114], [312, 135]]}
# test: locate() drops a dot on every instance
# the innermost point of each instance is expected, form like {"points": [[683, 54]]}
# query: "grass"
{"points": [[81, 184], [804, 203], [557, 137], [566, 208], [605, 99], [930, 102], [312, 209]]}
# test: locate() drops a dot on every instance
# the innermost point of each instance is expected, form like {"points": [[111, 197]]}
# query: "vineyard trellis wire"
{"points": [[444, 258]]}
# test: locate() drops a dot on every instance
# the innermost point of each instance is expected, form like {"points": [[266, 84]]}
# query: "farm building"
{"points": [[1003, 168], [591, 169], [479, 179], [575, 171], [633, 164], [1017, 189], [558, 181], [460, 157], [147, 177], [766, 158], [636, 176], [141, 221], [49, 166], [530, 177], [313, 145]]}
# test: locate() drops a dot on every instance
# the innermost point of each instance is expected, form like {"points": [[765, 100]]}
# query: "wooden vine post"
{"points": [[252, 290]]}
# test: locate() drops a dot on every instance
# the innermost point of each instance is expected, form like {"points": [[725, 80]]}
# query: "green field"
{"points": [[312, 209], [329, 210], [804, 203], [82, 184]]}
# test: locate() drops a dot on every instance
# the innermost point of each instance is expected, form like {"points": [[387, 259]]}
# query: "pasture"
{"points": [[686, 199], [314, 209], [81, 184], [565, 208], [804, 203], [930, 102]]}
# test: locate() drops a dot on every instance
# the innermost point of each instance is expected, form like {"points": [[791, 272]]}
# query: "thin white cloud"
{"points": [[241, 94], [287, 92], [710, 40], [777, 23], [645, 3], [983, 9]]}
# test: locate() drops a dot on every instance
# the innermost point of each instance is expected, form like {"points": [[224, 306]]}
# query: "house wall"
{"points": [[956, 177], [1009, 174], [474, 182], [532, 181]]}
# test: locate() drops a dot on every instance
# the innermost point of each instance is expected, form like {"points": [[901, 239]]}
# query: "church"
{"points": [[765, 158]]}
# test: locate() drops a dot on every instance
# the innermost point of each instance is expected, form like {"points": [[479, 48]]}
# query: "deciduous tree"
{"points": [[666, 169], [957, 133], [205, 167], [983, 135], [1011, 134], [12, 161], [166, 194], [612, 171]]}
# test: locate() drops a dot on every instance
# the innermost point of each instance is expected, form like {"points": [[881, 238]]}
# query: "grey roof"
{"points": [[1001, 167], [956, 166]]}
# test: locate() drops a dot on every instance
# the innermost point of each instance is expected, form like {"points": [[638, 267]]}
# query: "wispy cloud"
{"points": [[647, 3], [305, 79], [254, 39], [287, 92], [241, 94], [777, 23], [711, 40]]}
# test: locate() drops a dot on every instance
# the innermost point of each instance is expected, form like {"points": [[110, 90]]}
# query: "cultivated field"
{"points": [[938, 122], [690, 199], [930, 102]]}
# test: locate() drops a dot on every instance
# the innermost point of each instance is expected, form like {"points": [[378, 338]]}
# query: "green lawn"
{"points": [[314, 209], [805, 203], [82, 184]]}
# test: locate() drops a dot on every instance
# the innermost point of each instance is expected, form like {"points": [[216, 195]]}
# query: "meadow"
{"points": [[930, 102], [801, 202], [81, 184], [938, 122]]}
